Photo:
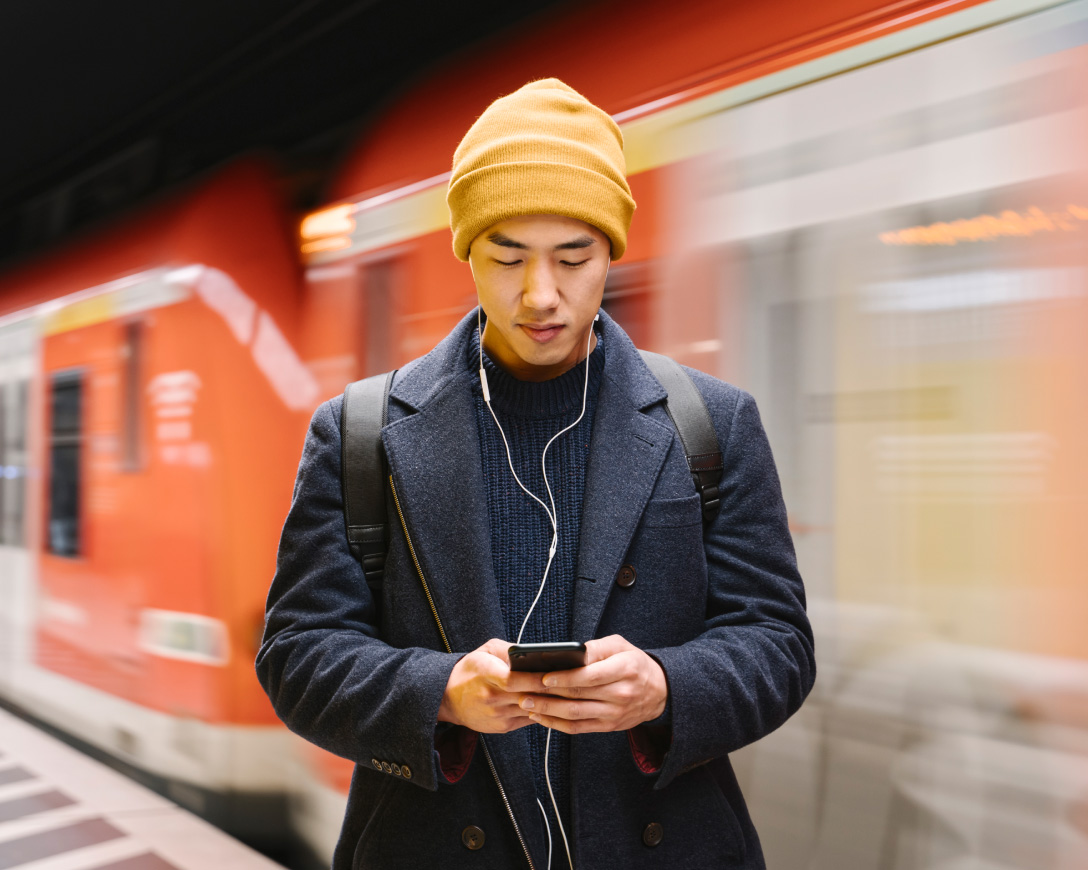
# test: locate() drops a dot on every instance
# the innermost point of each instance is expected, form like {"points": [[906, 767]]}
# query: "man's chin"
{"points": [[545, 361]]}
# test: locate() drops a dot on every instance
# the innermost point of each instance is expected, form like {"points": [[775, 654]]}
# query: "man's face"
{"points": [[540, 279]]}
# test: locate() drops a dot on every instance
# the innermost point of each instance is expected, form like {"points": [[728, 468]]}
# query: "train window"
{"points": [[131, 428], [13, 457], [627, 300], [64, 465], [378, 286]]}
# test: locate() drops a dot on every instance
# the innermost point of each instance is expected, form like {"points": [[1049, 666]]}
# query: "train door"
{"points": [[18, 359], [788, 363], [777, 328]]}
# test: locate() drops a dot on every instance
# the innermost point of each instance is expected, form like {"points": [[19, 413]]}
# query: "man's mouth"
{"points": [[542, 332]]}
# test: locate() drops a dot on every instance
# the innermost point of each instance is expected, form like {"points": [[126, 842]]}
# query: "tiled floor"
{"points": [[59, 810]]}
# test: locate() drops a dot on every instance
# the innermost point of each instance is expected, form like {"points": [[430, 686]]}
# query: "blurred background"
{"points": [[871, 215]]}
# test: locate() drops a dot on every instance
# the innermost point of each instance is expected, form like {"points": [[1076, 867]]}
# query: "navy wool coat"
{"points": [[722, 611]]}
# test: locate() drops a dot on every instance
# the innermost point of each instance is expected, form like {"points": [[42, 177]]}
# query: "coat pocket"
{"points": [[672, 513], [372, 832], [725, 810]]}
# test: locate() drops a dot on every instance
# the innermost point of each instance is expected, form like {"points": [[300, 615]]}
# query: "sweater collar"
{"points": [[542, 399]]}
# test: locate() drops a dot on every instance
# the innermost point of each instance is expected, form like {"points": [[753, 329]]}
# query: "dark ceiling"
{"points": [[110, 101]]}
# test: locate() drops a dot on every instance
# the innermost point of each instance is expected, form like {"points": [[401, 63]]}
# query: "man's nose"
{"points": [[541, 291]]}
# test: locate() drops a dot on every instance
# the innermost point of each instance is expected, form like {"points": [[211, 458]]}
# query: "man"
{"points": [[538, 488]]}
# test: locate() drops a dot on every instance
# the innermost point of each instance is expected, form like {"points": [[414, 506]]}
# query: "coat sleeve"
{"points": [[754, 663], [329, 676]]}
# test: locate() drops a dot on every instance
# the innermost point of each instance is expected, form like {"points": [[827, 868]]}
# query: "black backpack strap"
{"points": [[689, 415], [362, 473]]}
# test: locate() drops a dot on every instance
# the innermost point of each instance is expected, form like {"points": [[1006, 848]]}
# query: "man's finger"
{"points": [[599, 674], [523, 682], [605, 647], [563, 708], [576, 726]]}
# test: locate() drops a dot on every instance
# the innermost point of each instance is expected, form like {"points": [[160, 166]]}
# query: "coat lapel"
{"points": [[434, 457], [626, 453]]}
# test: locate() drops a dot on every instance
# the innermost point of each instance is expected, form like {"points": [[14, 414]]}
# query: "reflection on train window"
{"points": [[378, 283], [627, 300], [64, 465], [13, 457], [131, 429]]}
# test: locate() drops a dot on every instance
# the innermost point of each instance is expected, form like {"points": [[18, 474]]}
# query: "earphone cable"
{"points": [[555, 806], [547, 824]]}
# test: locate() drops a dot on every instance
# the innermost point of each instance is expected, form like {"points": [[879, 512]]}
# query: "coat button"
{"points": [[387, 767], [653, 834], [473, 837], [377, 764], [396, 770], [626, 576], [406, 771]]}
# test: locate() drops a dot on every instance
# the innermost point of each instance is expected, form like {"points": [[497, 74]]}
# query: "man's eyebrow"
{"points": [[505, 241], [580, 242]]}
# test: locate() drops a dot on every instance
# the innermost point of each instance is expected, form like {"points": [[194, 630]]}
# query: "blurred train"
{"points": [[871, 215]]}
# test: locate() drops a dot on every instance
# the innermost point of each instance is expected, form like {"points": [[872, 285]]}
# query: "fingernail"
{"points": [[527, 704], [534, 717], [550, 681]]}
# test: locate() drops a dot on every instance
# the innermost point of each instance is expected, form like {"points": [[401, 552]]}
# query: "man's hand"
{"points": [[619, 688], [484, 694]]}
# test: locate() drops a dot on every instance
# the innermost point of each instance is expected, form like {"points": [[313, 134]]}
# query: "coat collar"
{"points": [[434, 454], [432, 373]]}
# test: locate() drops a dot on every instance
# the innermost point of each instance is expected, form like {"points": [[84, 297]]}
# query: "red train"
{"points": [[791, 164]]}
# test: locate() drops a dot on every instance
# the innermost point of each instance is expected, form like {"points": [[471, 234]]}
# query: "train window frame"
{"points": [[628, 297], [377, 338], [70, 440], [133, 456]]}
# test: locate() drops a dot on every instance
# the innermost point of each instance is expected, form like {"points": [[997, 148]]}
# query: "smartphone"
{"points": [[543, 657]]}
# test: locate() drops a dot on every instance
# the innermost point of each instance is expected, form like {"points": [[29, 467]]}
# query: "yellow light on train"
{"points": [[327, 230], [333, 221], [988, 227]]}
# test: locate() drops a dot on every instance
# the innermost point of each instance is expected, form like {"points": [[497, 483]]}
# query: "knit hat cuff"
{"points": [[502, 191]]}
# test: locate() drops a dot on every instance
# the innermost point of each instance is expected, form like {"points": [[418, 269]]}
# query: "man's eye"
{"points": [[574, 265], [508, 263]]}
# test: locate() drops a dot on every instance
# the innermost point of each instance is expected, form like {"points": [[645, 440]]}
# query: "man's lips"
{"points": [[542, 332]]}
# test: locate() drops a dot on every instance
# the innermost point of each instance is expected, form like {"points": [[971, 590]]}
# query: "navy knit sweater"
{"points": [[531, 413]]}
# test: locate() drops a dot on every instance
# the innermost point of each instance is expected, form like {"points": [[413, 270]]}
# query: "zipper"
{"points": [[419, 570], [506, 801], [446, 644]]}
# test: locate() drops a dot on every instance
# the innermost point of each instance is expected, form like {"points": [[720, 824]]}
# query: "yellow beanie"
{"points": [[544, 149]]}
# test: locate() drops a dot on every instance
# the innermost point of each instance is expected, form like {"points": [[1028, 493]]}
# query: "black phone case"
{"points": [[541, 661]]}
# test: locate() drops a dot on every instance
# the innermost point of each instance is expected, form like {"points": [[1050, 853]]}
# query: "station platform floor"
{"points": [[60, 810]]}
